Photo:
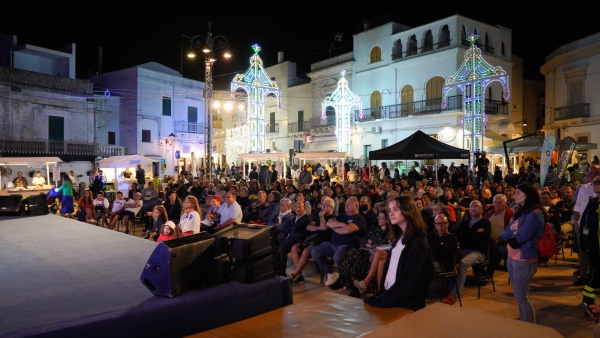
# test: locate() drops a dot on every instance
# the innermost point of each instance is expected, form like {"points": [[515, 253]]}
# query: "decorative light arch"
{"points": [[258, 85], [342, 100], [472, 77], [236, 141]]}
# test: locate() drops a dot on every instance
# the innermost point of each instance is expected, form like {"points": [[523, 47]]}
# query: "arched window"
{"points": [[463, 36], [503, 50], [487, 45], [428, 43], [406, 99], [489, 96], [444, 37], [329, 111], [433, 90], [375, 99], [375, 54], [411, 49], [397, 50]]}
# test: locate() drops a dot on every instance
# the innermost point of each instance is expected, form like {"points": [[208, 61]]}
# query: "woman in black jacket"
{"points": [[408, 270]]}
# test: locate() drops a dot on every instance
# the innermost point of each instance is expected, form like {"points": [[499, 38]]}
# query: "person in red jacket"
{"points": [[499, 216]]}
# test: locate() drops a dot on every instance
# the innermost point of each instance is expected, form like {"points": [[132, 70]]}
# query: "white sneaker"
{"points": [[332, 278]]}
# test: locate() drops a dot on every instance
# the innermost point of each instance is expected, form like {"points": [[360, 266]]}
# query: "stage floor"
{"points": [[55, 270]]}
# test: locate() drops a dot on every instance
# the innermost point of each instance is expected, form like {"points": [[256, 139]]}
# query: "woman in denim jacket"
{"points": [[522, 234]]}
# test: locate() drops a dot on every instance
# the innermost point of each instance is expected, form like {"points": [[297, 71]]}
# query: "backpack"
{"points": [[546, 244]]}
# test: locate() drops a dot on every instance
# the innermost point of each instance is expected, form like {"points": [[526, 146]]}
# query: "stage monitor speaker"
{"points": [[11, 205], [179, 265], [255, 269], [247, 242], [39, 199]]}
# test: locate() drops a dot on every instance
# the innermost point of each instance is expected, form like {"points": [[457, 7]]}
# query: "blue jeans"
{"points": [[465, 258], [326, 249], [520, 274]]}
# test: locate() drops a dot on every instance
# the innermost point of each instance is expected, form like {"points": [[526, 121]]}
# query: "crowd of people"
{"points": [[378, 232]]}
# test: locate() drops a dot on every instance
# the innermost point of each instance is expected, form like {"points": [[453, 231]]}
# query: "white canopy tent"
{"points": [[256, 157], [111, 167], [8, 161]]}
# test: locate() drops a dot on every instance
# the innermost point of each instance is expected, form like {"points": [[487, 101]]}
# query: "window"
{"points": [[434, 88], [272, 122], [375, 99], [367, 150], [397, 49], [166, 106], [487, 44], [146, 136], [407, 99], [330, 111], [444, 37], [300, 120], [582, 139], [428, 43], [575, 92], [375, 54], [56, 128], [503, 49], [384, 143], [411, 48], [192, 114], [463, 37], [112, 136]]}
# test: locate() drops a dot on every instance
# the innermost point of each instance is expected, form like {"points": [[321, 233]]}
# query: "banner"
{"points": [[546, 156], [564, 157]]}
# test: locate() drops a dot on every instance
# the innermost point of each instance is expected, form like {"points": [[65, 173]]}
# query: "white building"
{"points": [[160, 114], [572, 81]]}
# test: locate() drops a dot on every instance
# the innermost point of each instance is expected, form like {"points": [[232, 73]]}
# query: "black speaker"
{"points": [[255, 269], [246, 242], [179, 265], [39, 199], [11, 205]]}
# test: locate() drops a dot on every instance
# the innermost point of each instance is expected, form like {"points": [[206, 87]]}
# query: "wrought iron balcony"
{"points": [[189, 127], [28, 147], [294, 127], [572, 111], [424, 49], [417, 108], [316, 122], [108, 151], [273, 128], [493, 107]]}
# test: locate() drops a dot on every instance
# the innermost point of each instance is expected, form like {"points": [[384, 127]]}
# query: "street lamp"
{"points": [[209, 44]]}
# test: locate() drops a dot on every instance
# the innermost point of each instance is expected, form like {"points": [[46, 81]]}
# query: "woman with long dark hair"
{"points": [[67, 198], [521, 234], [408, 269]]}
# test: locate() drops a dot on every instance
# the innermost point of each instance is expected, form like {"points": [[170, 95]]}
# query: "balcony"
{"points": [[417, 108], [273, 128], [572, 111], [424, 49], [487, 49], [497, 108], [316, 122], [190, 127], [28, 147], [109, 151], [296, 127]]}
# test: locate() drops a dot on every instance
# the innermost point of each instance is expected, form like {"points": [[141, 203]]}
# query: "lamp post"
{"points": [[209, 45]]}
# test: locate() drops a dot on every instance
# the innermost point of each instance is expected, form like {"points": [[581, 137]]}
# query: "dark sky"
{"points": [[133, 34]]}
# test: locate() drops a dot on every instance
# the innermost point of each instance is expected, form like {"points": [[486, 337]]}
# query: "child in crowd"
{"points": [[167, 233], [100, 207]]}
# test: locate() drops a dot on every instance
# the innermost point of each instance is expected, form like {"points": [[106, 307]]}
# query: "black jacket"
{"points": [[413, 276], [470, 238]]}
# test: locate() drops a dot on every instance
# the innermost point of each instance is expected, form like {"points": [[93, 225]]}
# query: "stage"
{"points": [[62, 277]]}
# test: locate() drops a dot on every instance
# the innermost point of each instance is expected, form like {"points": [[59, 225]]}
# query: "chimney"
{"points": [[366, 25], [280, 57], [99, 60]]}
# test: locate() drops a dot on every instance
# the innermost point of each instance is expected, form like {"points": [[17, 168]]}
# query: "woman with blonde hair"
{"points": [[189, 223], [408, 269]]}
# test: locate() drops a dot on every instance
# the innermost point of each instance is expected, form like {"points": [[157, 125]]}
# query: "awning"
{"points": [[320, 155], [28, 160], [495, 137], [263, 156], [535, 144], [321, 144]]}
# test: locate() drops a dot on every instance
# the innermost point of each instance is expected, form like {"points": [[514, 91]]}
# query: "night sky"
{"points": [[132, 34]]}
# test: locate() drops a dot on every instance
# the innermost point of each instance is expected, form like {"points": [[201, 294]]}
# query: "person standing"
{"points": [[140, 176], [582, 197], [67, 199], [521, 234], [590, 244], [305, 176]]}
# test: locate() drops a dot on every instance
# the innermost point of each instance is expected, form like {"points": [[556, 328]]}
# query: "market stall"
{"points": [[113, 168], [13, 165], [278, 158], [334, 159]]}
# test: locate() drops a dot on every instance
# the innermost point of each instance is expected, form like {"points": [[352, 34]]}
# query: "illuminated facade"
{"points": [[342, 100], [258, 85], [472, 79]]}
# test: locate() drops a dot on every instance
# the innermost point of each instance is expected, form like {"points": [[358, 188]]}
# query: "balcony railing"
{"points": [[294, 127], [572, 111], [48, 147], [424, 49], [273, 128], [108, 151], [316, 122], [417, 108], [189, 127], [493, 107], [487, 49]]}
